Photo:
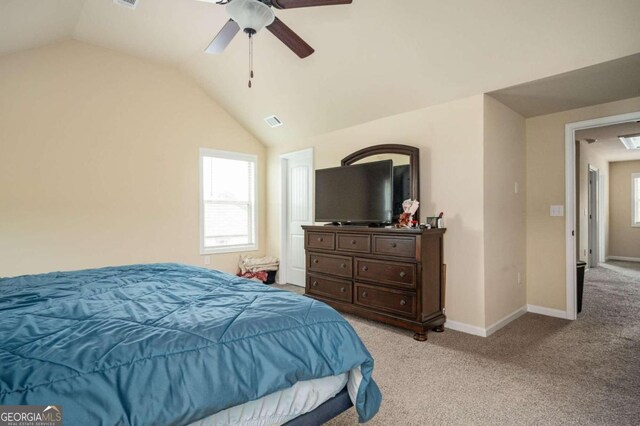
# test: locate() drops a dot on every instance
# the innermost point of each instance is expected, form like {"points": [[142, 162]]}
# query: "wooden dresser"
{"points": [[390, 275]]}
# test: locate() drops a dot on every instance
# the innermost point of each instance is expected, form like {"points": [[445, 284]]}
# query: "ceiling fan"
{"points": [[253, 15]]}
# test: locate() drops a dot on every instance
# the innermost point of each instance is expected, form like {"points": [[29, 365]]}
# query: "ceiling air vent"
{"points": [[273, 121], [131, 4]]}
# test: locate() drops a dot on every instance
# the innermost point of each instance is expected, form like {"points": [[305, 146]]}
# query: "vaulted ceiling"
{"points": [[373, 58]]}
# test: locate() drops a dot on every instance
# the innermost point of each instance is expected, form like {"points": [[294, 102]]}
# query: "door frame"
{"points": [[570, 198], [284, 203], [594, 188]]}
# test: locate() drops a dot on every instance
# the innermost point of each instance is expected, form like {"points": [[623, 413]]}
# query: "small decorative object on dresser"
{"points": [[391, 275]]}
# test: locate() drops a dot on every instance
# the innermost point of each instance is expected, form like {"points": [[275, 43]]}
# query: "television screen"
{"points": [[361, 193]]}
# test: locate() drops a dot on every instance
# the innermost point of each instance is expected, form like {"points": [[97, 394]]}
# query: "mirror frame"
{"points": [[414, 162]]}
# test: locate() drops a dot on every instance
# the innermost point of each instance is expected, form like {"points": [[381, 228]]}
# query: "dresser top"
{"points": [[355, 229]]}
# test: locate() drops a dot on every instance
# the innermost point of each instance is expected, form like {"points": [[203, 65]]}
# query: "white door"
{"points": [[297, 211]]}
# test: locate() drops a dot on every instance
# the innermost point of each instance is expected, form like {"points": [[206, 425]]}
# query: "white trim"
{"points": [[465, 328], [595, 214], [557, 313], [208, 152], [506, 320], [634, 196], [570, 199], [284, 176], [626, 259]]}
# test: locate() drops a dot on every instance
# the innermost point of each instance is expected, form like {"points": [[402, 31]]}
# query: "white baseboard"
{"points": [[485, 332], [506, 320], [557, 313], [627, 259], [465, 328]]}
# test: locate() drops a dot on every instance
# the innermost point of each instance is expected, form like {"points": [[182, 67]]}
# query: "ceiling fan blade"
{"points": [[224, 37], [291, 39], [290, 4]]}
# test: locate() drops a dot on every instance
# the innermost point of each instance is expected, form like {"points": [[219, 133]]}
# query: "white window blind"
{"points": [[228, 201], [635, 199]]}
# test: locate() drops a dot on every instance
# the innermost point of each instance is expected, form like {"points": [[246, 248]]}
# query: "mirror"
{"points": [[406, 172]]}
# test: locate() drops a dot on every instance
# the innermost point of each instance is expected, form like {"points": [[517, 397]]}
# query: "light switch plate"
{"points": [[556, 210]]}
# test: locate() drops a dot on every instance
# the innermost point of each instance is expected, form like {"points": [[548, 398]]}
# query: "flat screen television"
{"points": [[356, 194]]}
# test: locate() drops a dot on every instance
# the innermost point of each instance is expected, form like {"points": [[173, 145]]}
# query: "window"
{"points": [[227, 201], [635, 199]]}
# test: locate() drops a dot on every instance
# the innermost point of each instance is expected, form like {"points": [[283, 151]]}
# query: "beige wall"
{"points": [[450, 140], [504, 211], [99, 160], [624, 238], [588, 157], [546, 256]]}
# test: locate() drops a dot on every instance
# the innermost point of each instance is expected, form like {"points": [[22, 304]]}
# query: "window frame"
{"points": [[635, 194], [229, 155]]}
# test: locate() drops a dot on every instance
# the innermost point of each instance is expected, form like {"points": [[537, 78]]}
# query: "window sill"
{"points": [[234, 249]]}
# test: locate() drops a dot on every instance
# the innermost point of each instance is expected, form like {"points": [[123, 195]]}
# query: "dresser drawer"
{"points": [[394, 246], [341, 266], [354, 242], [384, 299], [393, 273], [331, 288], [321, 240]]}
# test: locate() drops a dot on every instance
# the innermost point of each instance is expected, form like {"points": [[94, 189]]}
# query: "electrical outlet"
{"points": [[207, 260], [519, 278], [515, 188]]}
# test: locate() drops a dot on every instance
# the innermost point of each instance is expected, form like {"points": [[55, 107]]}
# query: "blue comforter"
{"points": [[165, 344]]}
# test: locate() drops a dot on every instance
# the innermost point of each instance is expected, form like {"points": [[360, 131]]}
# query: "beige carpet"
{"points": [[537, 370]]}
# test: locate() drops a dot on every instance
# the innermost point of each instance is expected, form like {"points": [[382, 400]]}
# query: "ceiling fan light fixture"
{"points": [[251, 15]]}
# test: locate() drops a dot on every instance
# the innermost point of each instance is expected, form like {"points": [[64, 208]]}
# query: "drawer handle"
{"points": [[365, 269], [364, 294], [403, 302], [353, 241], [394, 245], [342, 289], [315, 283], [403, 274], [344, 265], [315, 260], [320, 239]]}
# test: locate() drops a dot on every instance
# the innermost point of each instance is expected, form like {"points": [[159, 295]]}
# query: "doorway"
{"points": [[296, 210], [597, 199]]}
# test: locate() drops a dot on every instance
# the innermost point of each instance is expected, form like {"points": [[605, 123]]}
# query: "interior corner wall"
{"points": [[589, 157], [624, 239], [99, 161], [545, 156], [449, 137], [504, 212]]}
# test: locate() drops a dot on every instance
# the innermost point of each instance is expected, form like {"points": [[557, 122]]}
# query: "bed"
{"points": [[172, 344]]}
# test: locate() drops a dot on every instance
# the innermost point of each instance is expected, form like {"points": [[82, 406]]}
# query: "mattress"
{"points": [[167, 344], [282, 406]]}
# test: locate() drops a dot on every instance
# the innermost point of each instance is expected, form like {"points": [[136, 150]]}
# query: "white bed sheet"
{"points": [[285, 405]]}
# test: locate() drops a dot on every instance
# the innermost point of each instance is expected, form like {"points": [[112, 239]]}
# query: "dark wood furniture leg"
{"points": [[438, 329], [420, 336]]}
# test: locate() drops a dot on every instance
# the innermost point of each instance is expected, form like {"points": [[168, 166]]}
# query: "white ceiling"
{"points": [[608, 146], [374, 58]]}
